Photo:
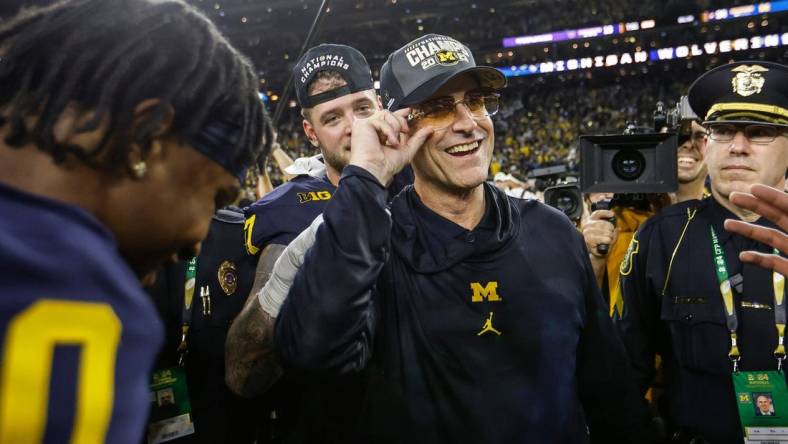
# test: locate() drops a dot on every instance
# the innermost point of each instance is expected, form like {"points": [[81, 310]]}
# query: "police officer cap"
{"points": [[742, 92]]}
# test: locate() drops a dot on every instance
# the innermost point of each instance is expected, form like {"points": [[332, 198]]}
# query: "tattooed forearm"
{"points": [[251, 365]]}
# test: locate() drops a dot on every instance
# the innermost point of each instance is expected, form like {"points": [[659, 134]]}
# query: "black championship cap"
{"points": [[742, 92], [414, 72], [347, 61]]}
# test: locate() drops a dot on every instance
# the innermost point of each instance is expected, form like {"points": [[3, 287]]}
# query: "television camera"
{"points": [[637, 164], [560, 189]]}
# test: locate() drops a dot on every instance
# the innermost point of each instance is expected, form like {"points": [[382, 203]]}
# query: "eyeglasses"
{"points": [[439, 113], [758, 134]]}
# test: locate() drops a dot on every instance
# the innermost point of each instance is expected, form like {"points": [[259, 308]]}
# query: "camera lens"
{"points": [[566, 198], [628, 164], [566, 203]]}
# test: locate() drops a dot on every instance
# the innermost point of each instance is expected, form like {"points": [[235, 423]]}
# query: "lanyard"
{"points": [[731, 321], [188, 297]]}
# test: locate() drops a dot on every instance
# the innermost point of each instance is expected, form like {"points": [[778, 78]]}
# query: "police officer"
{"points": [[687, 296], [198, 299]]}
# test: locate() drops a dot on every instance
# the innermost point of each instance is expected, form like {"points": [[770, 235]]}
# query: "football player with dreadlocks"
{"points": [[123, 125]]}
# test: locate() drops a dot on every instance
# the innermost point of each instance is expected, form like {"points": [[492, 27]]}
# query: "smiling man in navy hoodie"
{"points": [[466, 315]]}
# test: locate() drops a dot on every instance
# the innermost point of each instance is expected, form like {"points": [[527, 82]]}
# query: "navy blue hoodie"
{"points": [[496, 335]]}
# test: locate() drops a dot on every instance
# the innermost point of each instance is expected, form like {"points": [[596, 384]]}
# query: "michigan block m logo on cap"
{"points": [[436, 50], [748, 79], [447, 58], [489, 292]]}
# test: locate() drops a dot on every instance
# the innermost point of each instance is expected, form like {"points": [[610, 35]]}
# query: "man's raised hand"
{"points": [[381, 143], [773, 205]]}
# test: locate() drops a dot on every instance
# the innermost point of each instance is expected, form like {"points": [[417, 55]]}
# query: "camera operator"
{"points": [[598, 229], [692, 169], [688, 297], [615, 227], [607, 233]]}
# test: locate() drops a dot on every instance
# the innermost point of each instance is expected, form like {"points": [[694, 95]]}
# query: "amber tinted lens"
{"points": [[440, 113], [475, 104], [437, 113], [490, 104]]}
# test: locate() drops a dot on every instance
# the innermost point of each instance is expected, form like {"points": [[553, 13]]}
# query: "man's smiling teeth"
{"points": [[463, 148], [686, 160]]}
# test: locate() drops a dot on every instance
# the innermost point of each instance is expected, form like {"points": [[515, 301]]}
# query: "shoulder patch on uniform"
{"points": [[626, 264], [248, 227]]}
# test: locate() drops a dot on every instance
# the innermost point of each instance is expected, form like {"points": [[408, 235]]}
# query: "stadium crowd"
{"points": [[540, 120], [269, 37]]}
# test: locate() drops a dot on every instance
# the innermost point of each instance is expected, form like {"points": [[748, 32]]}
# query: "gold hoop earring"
{"points": [[140, 169]]}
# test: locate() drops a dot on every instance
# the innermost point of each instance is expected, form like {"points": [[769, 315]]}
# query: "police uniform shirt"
{"points": [[496, 334], [227, 272], [687, 325], [78, 333], [283, 213]]}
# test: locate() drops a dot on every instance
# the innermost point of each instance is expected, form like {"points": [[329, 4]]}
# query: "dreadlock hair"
{"points": [[107, 56]]}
